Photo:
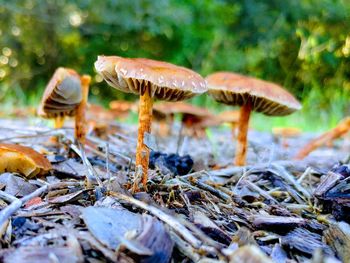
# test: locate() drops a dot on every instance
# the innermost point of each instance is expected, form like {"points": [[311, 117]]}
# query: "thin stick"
{"points": [[8, 211], [171, 221], [38, 134], [7, 197], [80, 118], [306, 173], [283, 173], [180, 137], [184, 247], [243, 123], [263, 193], [145, 120], [342, 128], [91, 173], [211, 189], [107, 164]]}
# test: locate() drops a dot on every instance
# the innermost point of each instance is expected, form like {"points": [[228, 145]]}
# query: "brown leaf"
{"points": [[24, 160]]}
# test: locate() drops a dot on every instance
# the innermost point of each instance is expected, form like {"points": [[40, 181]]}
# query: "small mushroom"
{"points": [[24, 160], [97, 113], [194, 119], [150, 79], [100, 119], [284, 133], [80, 115], [342, 128], [121, 108], [231, 117], [251, 95], [66, 95]]}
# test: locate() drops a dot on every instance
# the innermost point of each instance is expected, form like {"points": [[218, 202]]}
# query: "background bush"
{"points": [[303, 45]]}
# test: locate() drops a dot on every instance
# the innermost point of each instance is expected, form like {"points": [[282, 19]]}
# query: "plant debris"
{"points": [[198, 206]]}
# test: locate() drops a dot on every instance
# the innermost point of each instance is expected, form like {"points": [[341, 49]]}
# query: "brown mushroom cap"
{"points": [[268, 98], [62, 95], [166, 81], [17, 158]]}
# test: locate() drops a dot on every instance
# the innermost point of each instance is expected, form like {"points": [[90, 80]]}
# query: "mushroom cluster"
{"points": [[67, 93]]}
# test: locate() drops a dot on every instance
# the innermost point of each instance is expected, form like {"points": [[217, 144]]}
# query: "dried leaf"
{"points": [[249, 254], [142, 235], [40, 254], [24, 160], [16, 185]]}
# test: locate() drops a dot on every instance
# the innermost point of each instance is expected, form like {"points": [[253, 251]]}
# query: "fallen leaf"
{"points": [[24, 160], [16, 185], [34, 201], [140, 234]]}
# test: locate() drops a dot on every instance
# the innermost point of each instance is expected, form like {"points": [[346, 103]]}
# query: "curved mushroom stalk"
{"points": [[145, 122], [342, 128], [80, 116], [243, 124]]}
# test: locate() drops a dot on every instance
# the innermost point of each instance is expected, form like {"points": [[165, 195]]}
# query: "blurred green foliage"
{"points": [[301, 44]]}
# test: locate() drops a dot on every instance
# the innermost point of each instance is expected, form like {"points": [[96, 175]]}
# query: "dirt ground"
{"points": [[198, 206]]}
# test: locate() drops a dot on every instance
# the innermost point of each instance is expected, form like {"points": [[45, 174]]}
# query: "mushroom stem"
{"points": [[163, 128], [145, 120], [80, 119], [233, 129], [59, 121], [342, 128], [243, 123]]}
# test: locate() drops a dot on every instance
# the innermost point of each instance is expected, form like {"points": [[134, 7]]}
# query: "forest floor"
{"points": [[198, 206]]}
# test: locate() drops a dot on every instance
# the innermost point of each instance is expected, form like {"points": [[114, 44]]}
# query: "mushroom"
{"points": [[251, 95], [342, 128], [150, 79], [121, 108], [100, 119], [231, 117], [80, 117], [193, 118], [66, 95], [284, 133], [24, 160], [164, 118]]}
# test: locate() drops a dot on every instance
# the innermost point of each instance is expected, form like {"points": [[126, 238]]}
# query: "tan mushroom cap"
{"points": [[286, 131], [168, 108], [24, 160], [235, 89], [166, 81], [122, 105], [229, 116], [62, 95]]}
